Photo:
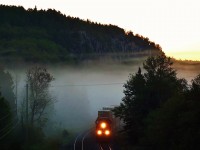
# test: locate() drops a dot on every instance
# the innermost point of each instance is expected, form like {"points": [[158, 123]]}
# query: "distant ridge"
{"points": [[49, 36]]}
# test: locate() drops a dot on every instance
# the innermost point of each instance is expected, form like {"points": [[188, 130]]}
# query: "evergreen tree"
{"points": [[7, 89], [128, 109], [161, 80], [147, 92], [175, 125], [5, 115]]}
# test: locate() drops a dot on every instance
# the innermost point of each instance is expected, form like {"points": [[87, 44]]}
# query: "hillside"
{"points": [[49, 36]]}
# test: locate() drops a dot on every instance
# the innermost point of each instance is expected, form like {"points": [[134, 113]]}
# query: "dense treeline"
{"points": [[161, 111], [48, 35], [8, 108]]}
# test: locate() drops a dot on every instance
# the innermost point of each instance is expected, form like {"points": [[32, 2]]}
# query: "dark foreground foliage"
{"points": [[35, 139], [160, 111], [17, 133]]}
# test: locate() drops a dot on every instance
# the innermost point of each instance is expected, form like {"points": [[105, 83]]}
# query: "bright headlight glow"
{"points": [[99, 132], [103, 125], [107, 132]]}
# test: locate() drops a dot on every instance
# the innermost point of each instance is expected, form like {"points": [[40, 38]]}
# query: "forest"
{"points": [[160, 110], [49, 36]]}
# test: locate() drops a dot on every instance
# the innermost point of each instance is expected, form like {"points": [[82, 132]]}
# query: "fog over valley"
{"points": [[80, 91], [79, 83]]}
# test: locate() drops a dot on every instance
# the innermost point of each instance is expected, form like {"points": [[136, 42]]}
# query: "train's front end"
{"points": [[103, 130]]}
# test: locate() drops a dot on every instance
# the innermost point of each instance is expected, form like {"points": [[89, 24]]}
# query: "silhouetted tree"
{"points": [[175, 125], [147, 92], [161, 80], [5, 122], [195, 89], [7, 89], [5, 115], [130, 109], [39, 80]]}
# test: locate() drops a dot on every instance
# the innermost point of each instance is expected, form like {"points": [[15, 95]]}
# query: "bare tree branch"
{"points": [[39, 80]]}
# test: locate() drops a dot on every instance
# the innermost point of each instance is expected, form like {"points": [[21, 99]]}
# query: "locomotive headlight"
{"points": [[99, 132], [107, 132], [103, 125]]}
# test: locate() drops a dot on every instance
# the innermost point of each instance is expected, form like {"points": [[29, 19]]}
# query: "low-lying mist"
{"points": [[187, 69], [80, 91]]}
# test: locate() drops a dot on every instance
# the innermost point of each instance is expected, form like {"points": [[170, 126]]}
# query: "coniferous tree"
{"points": [[147, 92], [175, 125], [5, 114], [7, 89]]}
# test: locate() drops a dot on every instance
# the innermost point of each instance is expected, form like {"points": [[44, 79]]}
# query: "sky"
{"points": [[174, 24]]}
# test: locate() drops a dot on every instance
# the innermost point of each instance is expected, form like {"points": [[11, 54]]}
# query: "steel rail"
{"points": [[86, 134]]}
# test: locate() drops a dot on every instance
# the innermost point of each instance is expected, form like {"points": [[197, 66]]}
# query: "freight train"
{"points": [[106, 124]]}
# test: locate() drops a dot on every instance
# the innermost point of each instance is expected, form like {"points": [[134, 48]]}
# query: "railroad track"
{"points": [[105, 146], [85, 141], [79, 141]]}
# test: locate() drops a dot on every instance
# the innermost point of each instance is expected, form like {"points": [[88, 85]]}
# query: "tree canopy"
{"points": [[7, 88], [175, 125], [39, 79], [147, 92], [5, 115], [159, 110]]}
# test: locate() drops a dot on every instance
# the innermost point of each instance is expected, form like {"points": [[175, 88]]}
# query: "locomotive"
{"points": [[105, 124]]}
